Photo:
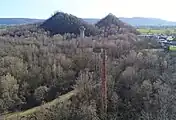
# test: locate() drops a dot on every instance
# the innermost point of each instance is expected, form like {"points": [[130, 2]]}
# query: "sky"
{"points": [[43, 9]]}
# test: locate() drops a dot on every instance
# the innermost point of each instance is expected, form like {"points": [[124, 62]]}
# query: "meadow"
{"points": [[157, 30]]}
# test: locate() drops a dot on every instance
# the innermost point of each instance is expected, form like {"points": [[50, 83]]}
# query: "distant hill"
{"points": [[66, 23], [109, 20], [15, 21], [135, 21], [115, 25], [139, 21]]}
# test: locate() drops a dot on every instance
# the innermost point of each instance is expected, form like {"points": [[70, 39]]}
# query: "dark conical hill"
{"points": [[112, 21], [109, 20], [61, 23]]}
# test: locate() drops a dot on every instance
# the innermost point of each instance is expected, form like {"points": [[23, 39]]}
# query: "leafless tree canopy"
{"points": [[36, 67]]}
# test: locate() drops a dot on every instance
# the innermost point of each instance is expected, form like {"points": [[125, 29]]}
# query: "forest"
{"points": [[39, 65]]}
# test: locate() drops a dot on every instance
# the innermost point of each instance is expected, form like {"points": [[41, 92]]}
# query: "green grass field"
{"points": [[157, 31]]}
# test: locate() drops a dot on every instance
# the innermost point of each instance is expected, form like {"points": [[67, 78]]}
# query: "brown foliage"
{"points": [[36, 67]]}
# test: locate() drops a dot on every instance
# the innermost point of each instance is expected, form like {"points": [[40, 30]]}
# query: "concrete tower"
{"points": [[82, 32]]}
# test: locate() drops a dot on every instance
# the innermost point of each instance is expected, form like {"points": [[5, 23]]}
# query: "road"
{"points": [[2, 117]]}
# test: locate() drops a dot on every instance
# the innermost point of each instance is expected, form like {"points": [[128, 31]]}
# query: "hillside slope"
{"points": [[139, 21], [10, 21], [135, 21], [115, 25], [66, 23]]}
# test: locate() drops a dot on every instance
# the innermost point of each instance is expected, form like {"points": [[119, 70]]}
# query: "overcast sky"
{"points": [[164, 9]]}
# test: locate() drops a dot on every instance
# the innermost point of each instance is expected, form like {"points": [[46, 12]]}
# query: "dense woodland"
{"points": [[37, 67]]}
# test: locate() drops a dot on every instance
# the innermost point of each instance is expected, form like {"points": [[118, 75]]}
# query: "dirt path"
{"points": [[61, 99]]}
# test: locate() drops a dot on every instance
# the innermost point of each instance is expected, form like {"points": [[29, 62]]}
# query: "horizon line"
{"points": [[81, 17]]}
